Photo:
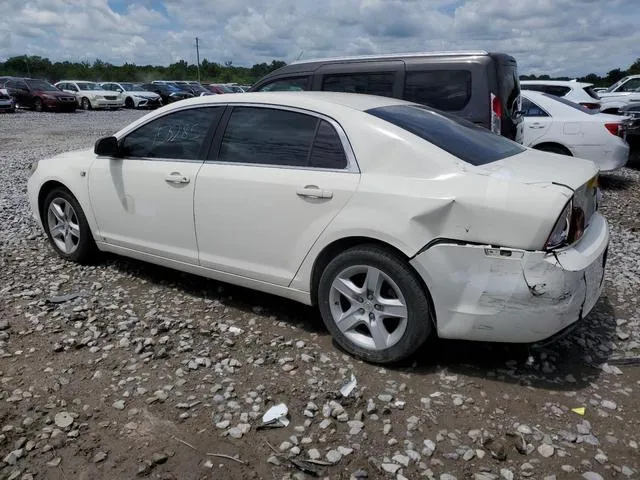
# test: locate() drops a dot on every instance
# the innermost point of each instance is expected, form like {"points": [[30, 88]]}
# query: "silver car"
{"points": [[7, 102]]}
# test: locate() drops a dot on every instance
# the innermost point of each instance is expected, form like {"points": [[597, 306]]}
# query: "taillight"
{"points": [[496, 114], [614, 128], [560, 233], [591, 106]]}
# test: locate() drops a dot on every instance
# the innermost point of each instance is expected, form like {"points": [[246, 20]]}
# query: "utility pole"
{"points": [[198, 57]]}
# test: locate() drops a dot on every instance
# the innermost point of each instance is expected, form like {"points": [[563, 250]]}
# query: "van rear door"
{"points": [[508, 95]]}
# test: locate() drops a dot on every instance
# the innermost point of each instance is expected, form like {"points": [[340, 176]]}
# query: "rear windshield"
{"points": [[470, 143], [572, 105], [591, 92]]}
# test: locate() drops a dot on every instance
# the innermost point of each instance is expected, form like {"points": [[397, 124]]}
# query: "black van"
{"points": [[478, 86]]}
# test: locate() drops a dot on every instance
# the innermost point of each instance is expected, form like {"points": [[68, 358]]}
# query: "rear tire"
{"points": [[374, 304], [67, 227]]}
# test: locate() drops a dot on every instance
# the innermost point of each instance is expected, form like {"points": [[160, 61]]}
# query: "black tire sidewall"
{"points": [[38, 106], [129, 103], [85, 253], [85, 104], [419, 321]]}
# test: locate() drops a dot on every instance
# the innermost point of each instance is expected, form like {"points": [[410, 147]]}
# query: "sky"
{"points": [[556, 37]]}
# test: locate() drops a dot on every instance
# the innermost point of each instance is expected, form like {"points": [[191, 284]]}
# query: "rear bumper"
{"points": [[480, 293], [609, 157]]}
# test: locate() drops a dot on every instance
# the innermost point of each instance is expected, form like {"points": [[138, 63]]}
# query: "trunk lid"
{"points": [[536, 167]]}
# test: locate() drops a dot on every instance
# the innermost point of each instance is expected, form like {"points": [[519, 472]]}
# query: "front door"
{"points": [[143, 200], [277, 180]]}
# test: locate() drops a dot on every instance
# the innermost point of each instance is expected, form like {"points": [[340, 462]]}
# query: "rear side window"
{"points": [[463, 139], [270, 136], [369, 83], [180, 135], [327, 151], [591, 92], [448, 90], [294, 84], [530, 109], [575, 106]]}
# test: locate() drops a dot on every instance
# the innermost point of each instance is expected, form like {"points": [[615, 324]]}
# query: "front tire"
{"points": [[128, 103], [38, 106], [374, 305], [85, 104], [67, 227]]}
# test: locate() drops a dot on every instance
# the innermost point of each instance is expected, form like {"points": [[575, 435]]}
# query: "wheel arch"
{"points": [[542, 145], [342, 244], [47, 187]]}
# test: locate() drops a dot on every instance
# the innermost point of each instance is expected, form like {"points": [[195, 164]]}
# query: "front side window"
{"points": [[631, 86], [369, 83], [530, 109], [279, 137], [294, 84], [448, 90], [88, 86], [180, 135], [461, 138]]}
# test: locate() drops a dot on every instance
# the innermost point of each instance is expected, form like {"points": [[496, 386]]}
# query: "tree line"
{"points": [[599, 81], [210, 72]]}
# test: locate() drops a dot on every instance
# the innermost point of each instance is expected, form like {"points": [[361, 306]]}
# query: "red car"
{"points": [[219, 88], [39, 95]]}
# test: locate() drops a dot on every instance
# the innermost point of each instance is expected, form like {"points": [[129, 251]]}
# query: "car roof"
{"points": [[393, 56], [77, 81], [564, 83], [305, 100]]}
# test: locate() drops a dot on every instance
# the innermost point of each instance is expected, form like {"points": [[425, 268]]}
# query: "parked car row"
{"points": [[67, 95]]}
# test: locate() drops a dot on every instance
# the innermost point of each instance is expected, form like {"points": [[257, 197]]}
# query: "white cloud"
{"points": [[560, 37]]}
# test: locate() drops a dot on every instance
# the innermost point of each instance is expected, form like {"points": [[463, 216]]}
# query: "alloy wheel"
{"points": [[64, 226], [368, 307]]}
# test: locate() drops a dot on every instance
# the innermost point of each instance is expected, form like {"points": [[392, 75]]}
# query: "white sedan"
{"points": [[396, 221], [134, 95], [91, 95], [557, 125]]}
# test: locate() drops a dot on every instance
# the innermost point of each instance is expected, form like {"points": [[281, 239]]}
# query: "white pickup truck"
{"points": [[620, 94]]}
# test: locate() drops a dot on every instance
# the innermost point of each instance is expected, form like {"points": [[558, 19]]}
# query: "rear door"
{"points": [[277, 178], [384, 78], [536, 123]]}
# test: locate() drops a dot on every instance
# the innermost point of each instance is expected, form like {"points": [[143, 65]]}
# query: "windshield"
{"points": [[130, 87], [616, 85], [572, 105], [41, 85], [88, 86], [461, 138]]}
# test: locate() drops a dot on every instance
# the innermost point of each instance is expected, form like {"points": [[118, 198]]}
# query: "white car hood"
{"points": [[534, 167]]}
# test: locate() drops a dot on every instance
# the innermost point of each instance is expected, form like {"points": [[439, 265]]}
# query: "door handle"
{"points": [[313, 191], [176, 178], [536, 126]]}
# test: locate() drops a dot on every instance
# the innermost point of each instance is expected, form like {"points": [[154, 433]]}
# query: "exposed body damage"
{"points": [[493, 294]]}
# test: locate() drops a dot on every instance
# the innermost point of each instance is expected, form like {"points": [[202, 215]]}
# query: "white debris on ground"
{"points": [[150, 372]]}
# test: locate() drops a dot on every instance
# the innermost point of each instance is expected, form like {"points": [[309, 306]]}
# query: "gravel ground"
{"points": [[147, 372]]}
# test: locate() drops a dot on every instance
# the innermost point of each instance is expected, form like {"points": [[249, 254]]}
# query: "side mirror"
{"points": [[106, 147]]}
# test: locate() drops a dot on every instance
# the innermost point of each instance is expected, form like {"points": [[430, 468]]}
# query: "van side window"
{"points": [[369, 83], [291, 84], [448, 90]]}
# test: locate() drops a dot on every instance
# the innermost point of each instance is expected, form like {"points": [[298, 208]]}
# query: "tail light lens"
{"points": [[560, 233], [614, 128], [591, 106], [496, 114]]}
